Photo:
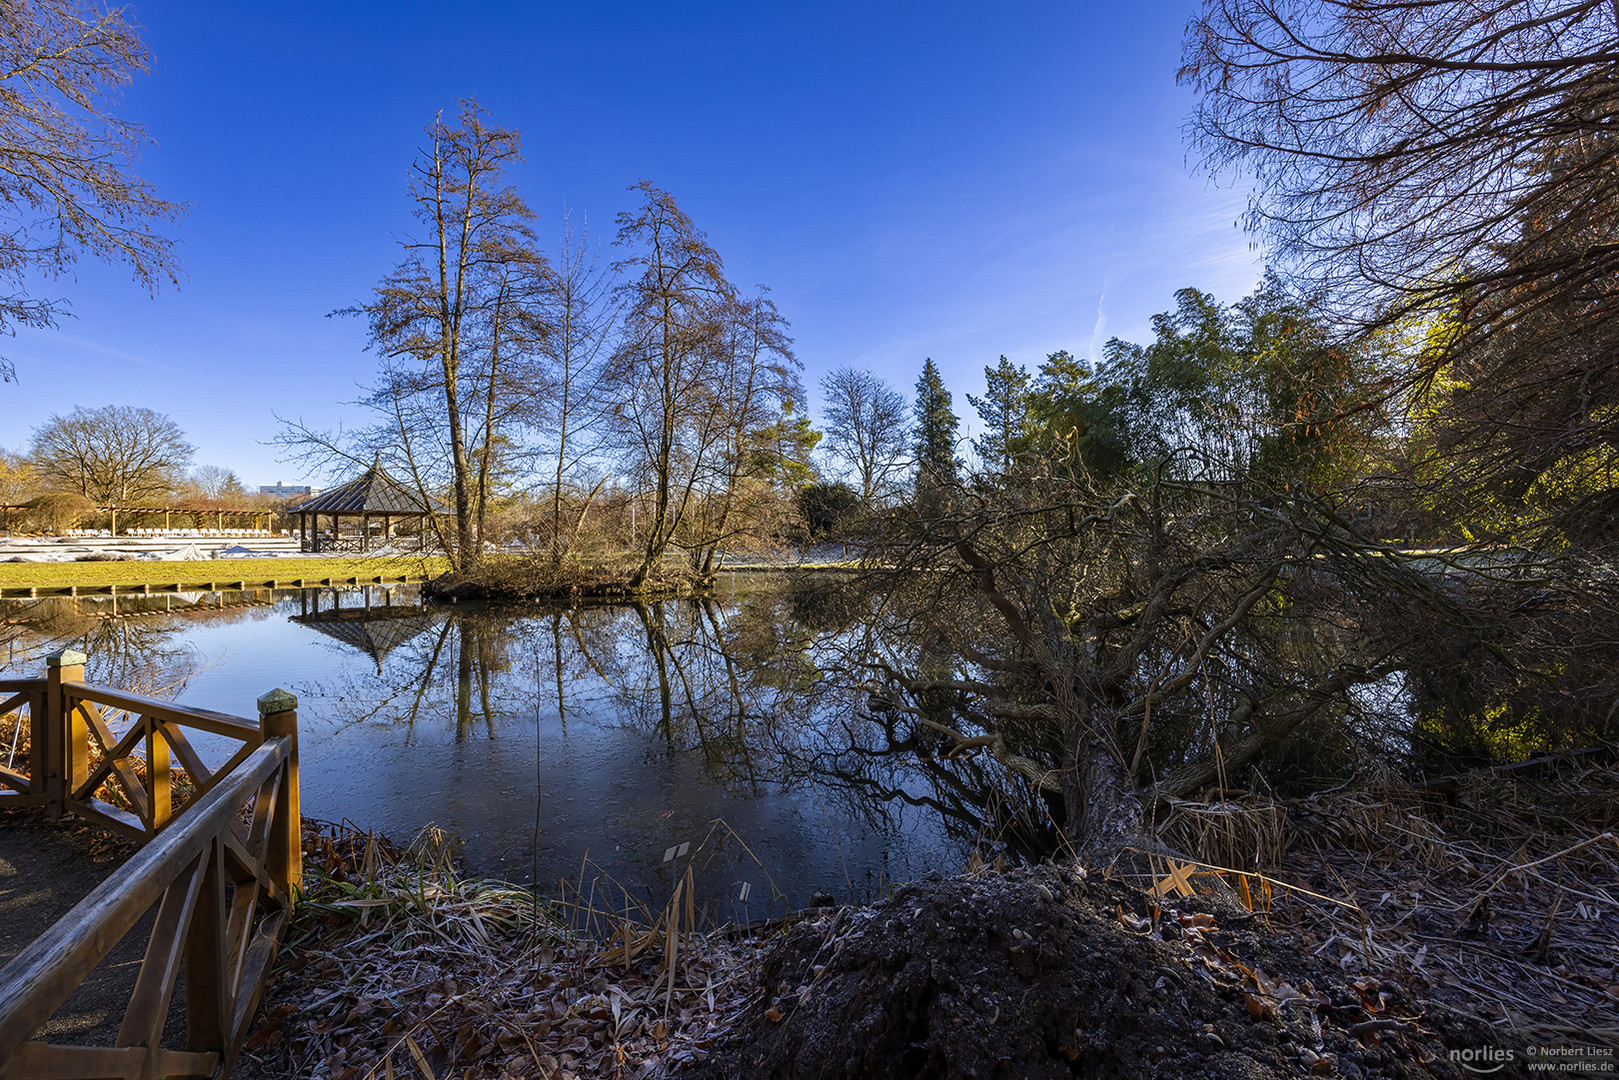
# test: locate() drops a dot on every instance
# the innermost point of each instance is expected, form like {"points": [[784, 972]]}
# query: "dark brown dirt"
{"points": [[1044, 972]]}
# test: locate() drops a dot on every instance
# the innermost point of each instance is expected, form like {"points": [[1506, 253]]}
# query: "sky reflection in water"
{"points": [[639, 728]]}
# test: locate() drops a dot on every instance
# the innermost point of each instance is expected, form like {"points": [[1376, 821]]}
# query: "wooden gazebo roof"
{"points": [[372, 492]]}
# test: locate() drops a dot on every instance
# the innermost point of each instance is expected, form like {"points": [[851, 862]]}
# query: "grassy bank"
{"points": [[606, 578], [500, 578], [207, 572]]}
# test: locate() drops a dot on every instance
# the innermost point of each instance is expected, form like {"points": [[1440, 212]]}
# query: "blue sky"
{"points": [[911, 180]]}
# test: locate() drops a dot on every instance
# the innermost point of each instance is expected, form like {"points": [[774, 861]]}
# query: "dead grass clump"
{"points": [[1246, 834], [1494, 892], [16, 735], [396, 964]]}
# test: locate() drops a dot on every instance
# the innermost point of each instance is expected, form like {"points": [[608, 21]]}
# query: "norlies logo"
{"points": [[1488, 1060]]}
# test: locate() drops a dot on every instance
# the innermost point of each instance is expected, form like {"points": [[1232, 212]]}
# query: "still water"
{"points": [[554, 742]]}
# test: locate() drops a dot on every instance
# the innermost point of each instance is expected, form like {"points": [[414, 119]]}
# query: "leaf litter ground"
{"points": [[402, 968]]}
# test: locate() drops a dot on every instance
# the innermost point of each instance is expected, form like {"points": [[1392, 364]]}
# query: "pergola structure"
{"points": [[372, 494], [142, 515]]}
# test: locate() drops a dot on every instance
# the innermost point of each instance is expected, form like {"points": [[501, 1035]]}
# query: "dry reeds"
{"points": [[1249, 834], [399, 964], [1497, 895], [16, 737]]}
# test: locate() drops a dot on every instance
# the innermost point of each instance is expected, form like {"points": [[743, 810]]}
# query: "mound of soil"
{"points": [[1045, 972]]}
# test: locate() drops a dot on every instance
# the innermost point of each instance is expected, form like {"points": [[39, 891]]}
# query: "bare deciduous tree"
{"points": [[459, 325], [16, 477], [581, 315], [1395, 146], [666, 415], [868, 430], [114, 455], [756, 387], [66, 162], [215, 482], [500, 375]]}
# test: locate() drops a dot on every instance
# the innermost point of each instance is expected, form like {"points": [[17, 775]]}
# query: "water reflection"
{"points": [[545, 735], [646, 723], [541, 734], [133, 643], [375, 631]]}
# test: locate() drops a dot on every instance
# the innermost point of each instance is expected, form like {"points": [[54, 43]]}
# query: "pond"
{"points": [[556, 743]]}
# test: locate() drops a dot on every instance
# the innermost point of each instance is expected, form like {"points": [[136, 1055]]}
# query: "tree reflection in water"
{"points": [[765, 688], [129, 642], [757, 693]]}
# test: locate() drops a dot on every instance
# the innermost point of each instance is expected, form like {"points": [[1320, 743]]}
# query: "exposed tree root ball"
{"points": [[1047, 973]]}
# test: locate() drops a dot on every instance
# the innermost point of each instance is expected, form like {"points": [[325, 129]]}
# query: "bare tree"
{"points": [[16, 477], [581, 313], [459, 326], [114, 455], [513, 331], [215, 482], [868, 430], [1396, 148], [666, 417], [757, 389], [66, 162]]}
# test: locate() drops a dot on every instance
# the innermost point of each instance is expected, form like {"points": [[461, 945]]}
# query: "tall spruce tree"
{"points": [[936, 424], [1004, 408]]}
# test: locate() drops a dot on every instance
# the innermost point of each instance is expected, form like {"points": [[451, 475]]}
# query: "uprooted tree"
{"points": [[1119, 646], [1118, 638]]}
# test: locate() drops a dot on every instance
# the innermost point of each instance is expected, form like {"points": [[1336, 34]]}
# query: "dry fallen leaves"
{"points": [[407, 971]]}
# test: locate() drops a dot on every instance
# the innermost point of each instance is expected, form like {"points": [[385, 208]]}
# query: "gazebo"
{"points": [[372, 494], [374, 631]]}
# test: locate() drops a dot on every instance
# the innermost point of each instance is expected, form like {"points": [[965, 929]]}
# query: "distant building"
{"points": [[278, 490]]}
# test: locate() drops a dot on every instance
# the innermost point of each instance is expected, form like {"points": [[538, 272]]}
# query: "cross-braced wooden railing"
{"points": [[223, 867]]}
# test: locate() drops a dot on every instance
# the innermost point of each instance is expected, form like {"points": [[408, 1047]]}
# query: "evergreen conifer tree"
{"points": [[936, 424], [1005, 409]]}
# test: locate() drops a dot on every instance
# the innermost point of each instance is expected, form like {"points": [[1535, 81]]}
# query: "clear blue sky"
{"points": [[923, 179]]}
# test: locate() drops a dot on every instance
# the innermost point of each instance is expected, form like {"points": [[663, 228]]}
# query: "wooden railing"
{"points": [[221, 858]]}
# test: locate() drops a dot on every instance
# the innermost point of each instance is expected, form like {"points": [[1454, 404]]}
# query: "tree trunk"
{"points": [[463, 683], [1103, 807]]}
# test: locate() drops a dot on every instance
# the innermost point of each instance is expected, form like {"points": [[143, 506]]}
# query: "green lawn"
{"points": [[99, 575]]}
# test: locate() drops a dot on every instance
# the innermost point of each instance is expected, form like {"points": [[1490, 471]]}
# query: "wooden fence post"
{"points": [[278, 715], [67, 745], [158, 781], [39, 761], [208, 1003]]}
